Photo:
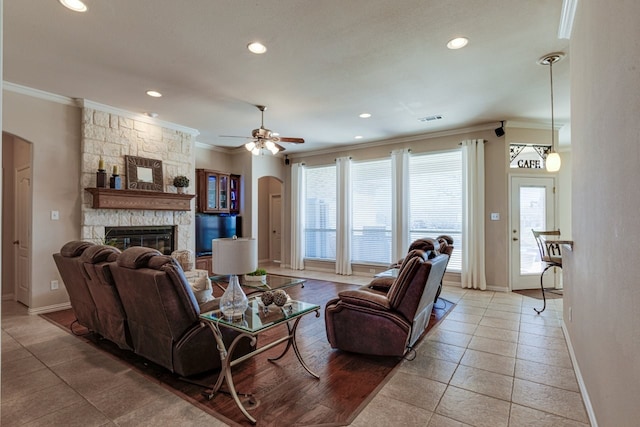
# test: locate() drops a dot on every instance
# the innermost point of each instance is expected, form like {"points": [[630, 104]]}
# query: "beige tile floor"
{"points": [[491, 362]]}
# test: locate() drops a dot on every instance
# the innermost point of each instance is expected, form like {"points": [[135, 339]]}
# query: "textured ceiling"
{"points": [[327, 62]]}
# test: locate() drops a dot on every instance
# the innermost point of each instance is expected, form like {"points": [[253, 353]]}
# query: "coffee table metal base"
{"points": [[227, 361]]}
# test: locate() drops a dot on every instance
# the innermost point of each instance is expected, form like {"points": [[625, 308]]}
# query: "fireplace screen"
{"points": [[160, 238]]}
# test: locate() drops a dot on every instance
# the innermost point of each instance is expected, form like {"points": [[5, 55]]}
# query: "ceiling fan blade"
{"points": [[233, 136], [294, 140]]}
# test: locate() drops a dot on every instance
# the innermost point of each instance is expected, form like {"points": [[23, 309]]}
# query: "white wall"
{"points": [[602, 274]]}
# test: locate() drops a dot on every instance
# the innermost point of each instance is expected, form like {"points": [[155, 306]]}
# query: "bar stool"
{"points": [[550, 254]]}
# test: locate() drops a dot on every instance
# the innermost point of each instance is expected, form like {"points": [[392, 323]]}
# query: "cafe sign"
{"points": [[528, 156]]}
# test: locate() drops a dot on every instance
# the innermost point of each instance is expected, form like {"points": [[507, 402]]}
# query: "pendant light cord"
{"points": [[553, 128]]}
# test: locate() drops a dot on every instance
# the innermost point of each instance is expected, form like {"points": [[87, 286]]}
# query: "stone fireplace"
{"points": [[110, 134]]}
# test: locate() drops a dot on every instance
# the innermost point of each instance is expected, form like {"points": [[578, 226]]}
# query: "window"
{"points": [[371, 212], [320, 212], [435, 193]]}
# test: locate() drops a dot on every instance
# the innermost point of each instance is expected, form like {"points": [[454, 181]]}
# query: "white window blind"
{"points": [[371, 212], [320, 212], [435, 192]]}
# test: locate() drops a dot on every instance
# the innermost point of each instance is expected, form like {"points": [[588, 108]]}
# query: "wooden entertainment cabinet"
{"points": [[218, 192]]}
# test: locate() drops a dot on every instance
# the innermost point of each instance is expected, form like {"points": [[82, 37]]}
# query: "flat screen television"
{"points": [[209, 227]]}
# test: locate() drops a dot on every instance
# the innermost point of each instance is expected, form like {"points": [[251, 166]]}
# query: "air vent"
{"points": [[431, 118]]}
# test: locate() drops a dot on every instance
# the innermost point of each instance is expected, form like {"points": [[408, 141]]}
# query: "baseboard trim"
{"points": [[50, 308], [581, 385]]}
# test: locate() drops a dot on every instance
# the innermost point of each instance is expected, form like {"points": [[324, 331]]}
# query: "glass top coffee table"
{"points": [[256, 320], [272, 283]]}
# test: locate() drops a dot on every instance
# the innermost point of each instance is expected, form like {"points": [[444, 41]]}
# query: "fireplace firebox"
{"points": [[156, 237]]}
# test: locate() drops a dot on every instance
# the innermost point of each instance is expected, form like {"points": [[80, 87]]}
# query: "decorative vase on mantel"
{"points": [[180, 182]]}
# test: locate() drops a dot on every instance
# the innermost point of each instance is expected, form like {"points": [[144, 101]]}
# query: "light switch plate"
{"points": [[55, 215], [495, 216]]}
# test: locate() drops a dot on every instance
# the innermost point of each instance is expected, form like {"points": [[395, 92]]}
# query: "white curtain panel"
{"points": [[473, 258], [400, 194], [297, 216], [343, 224]]}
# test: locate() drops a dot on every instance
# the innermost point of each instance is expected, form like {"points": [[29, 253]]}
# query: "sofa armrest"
{"points": [[381, 284], [365, 298]]}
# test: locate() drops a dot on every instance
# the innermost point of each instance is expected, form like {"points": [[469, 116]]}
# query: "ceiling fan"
{"points": [[263, 138]]}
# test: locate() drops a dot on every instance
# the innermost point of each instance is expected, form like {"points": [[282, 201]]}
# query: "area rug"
{"points": [[283, 393]]}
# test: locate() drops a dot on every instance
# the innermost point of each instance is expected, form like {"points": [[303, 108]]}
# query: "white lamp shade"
{"points": [[234, 256], [553, 162]]}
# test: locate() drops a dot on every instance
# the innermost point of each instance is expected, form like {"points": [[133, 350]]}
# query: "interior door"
{"points": [[532, 207], [275, 219], [23, 234]]}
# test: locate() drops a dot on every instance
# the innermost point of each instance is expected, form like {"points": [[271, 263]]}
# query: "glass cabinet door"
{"points": [[212, 191], [224, 192], [234, 194]]}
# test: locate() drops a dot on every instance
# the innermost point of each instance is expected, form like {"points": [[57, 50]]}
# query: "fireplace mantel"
{"points": [[108, 198]]}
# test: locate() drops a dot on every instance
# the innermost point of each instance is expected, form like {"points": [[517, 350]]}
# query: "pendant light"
{"points": [[552, 161]]}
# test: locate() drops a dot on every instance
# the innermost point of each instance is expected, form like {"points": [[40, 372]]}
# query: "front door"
{"points": [[532, 207], [23, 234]]}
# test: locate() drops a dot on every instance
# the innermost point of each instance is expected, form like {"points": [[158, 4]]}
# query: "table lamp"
{"points": [[231, 257]]}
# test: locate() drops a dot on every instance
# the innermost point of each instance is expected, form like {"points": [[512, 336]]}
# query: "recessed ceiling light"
{"points": [[154, 93], [257, 48], [365, 115], [358, 137], [75, 5], [457, 43]]}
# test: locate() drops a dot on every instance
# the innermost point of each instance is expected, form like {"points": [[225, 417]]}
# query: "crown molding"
{"points": [[37, 93], [399, 140], [85, 103], [209, 147], [566, 18], [532, 125]]}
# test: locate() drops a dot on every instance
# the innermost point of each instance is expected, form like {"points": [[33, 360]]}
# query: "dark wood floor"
{"points": [[283, 393]]}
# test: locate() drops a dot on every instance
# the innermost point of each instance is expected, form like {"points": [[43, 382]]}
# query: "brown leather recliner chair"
{"points": [[69, 264], [113, 319], [163, 314], [387, 321]]}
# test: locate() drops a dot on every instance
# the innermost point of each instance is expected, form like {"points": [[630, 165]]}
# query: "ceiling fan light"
{"points": [[553, 162], [274, 150], [255, 151], [270, 145], [250, 146]]}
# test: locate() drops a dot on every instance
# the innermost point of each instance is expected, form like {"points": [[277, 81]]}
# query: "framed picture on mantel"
{"points": [[143, 174]]}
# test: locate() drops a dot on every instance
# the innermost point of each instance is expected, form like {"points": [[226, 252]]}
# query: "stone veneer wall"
{"points": [[112, 136]]}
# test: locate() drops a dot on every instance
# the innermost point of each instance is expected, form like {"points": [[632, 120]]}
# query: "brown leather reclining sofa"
{"points": [[140, 300]]}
